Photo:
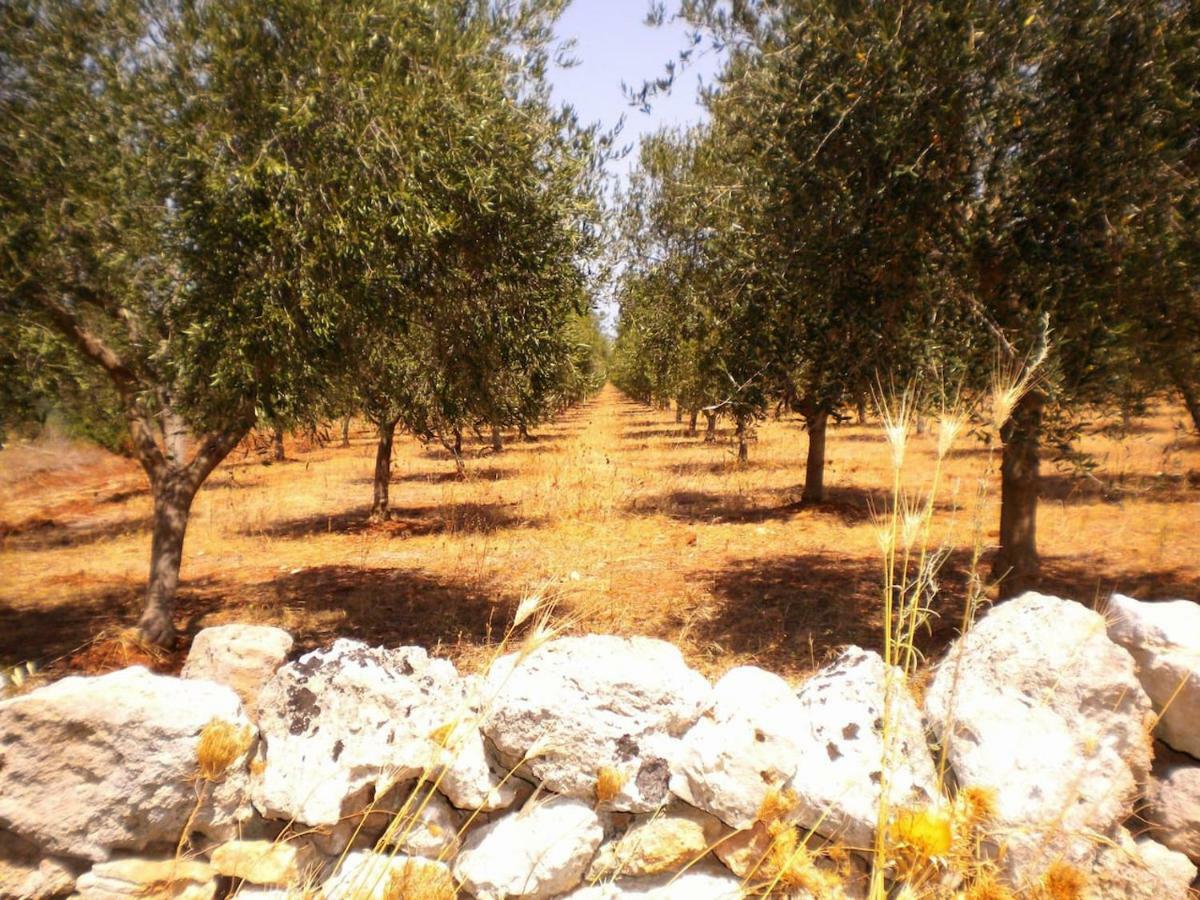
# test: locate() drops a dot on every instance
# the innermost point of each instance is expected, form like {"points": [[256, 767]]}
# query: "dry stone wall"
{"points": [[601, 767]]}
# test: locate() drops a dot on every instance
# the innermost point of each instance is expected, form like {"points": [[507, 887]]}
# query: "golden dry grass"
{"points": [[627, 523]]}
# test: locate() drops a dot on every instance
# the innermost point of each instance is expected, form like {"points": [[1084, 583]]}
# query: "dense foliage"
{"points": [[896, 191]]}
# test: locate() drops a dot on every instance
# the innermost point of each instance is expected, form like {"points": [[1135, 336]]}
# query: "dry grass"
{"points": [[631, 525]]}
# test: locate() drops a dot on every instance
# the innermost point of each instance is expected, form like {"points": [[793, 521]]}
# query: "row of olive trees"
{"points": [[897, 190], [226, 213]]}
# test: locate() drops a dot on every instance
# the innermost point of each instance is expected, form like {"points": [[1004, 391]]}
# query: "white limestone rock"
{"points": [[423, 824], [819, 750], [1036, 703], [1164, 639], [1172, 807], [541, 851], [25, 874], [658, 842], [342, 722], [578, 705], [265, 862], [365, 875], [705, 881], [243, 657], [1139, 869], [92, 765], [147, 879]]}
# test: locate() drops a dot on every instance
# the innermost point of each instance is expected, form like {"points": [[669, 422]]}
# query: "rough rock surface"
{"points": [[540, 851], [1172, 808], [264, 862], [243, 657], [342, 721], [658, 842], [747, 853], [148, 878], [701, 882], [817, 752], [427, 826], [1164, 639], [89, 765], [364, 875], [1139, 869], [586, 704], [26, 875], [1037, 703]]}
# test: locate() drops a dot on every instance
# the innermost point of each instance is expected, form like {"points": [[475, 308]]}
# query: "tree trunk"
{"points": [[862, 411], [1017, 562], [460, 467], [692, 416], [814, 468], [1191, 399], [277, 445], [383, 471], [743, 449], [678, 413], [524, 432], [346, 431], [497, 441], [173, 493], [710, 430]]}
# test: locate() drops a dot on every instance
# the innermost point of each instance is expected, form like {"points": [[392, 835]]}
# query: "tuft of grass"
{"points": [[419, 881], [221, 745], [609, 782]]}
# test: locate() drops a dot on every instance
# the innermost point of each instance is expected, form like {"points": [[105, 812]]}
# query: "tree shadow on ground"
{"points": [[390, 607], [794, 613], [636, 434], [473, 473], [1071, 489], [709, 507], [404, 521], [40, 533]]}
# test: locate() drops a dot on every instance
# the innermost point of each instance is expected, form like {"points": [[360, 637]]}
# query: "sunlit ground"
{"points": [[629, 524]]}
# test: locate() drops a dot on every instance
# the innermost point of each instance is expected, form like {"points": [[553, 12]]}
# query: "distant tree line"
{"points": [[895, 191], [229, 214]]}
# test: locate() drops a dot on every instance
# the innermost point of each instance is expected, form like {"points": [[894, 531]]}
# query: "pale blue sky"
{"points": [[613, 45]]}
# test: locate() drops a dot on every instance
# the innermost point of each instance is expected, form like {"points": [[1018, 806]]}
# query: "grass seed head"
{"points": [[609, 782], [419, 880], [220, 746], [777, 804]]}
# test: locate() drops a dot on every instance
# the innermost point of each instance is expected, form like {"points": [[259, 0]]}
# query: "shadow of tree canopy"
{"points": [[46, 533], [403, 521], [794, 613]]}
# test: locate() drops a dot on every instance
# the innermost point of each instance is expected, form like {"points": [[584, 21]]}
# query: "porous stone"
{"points": [[365, 875], [341, 723], [91, 765], [147, 879], [421, 823], [815, 756], [658, 842], [1139, 869], [1164, 639], [26, 874], [1038, 705], [580, 710], [1172, 801], [243, 657], [705, 881], [541, 851], [264, 862]]}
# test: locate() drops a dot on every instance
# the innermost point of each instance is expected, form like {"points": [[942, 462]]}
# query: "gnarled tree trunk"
{"points": [[710, 430], [345, 431], [743, 449], [497, 440], [678, 412], [692, 417], [173, 484], [1017, 562], [277, 445], [383, 470], [1190, 395], [814, 466]]}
